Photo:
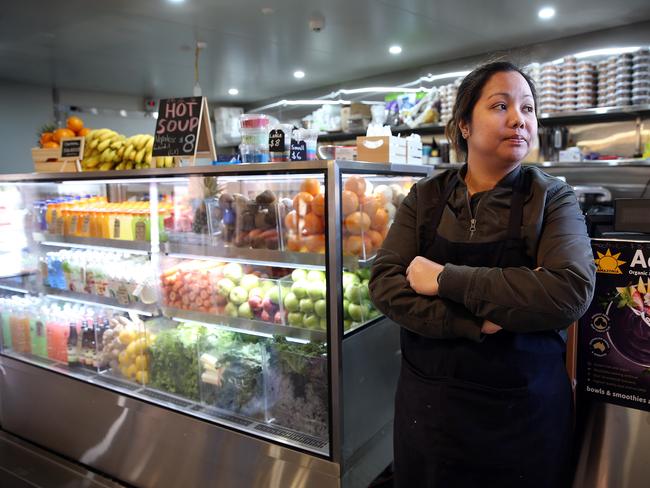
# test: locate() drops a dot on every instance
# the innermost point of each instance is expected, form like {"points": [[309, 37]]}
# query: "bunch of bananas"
{"points": [[105, 149]]}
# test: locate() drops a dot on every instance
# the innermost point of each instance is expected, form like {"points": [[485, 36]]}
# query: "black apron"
{"points": [[497, 413]]}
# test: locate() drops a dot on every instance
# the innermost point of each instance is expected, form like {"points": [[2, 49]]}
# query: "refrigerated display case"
{"points": [[203, 326]]}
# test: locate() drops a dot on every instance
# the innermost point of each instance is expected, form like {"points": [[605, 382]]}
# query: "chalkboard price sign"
{"points": [[182, 124], [298, 150], [72, 148], [276, 141]]}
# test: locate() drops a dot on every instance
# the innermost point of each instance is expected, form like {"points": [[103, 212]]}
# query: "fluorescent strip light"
{"points": [[92, 246], [64, 298]]}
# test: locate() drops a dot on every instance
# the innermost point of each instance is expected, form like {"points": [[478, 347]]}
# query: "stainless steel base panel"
{"points": [[614, 449], [144, 444]]}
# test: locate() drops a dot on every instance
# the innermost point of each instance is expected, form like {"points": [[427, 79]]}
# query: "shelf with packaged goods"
{"points": [[245, 325], [24, 283], [57, 240], [98, 301], [264, 257], [585, 116]]}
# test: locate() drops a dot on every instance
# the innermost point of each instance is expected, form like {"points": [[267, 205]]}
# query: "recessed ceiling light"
{"points": [[298, 74], [546, 13], [395, 49], [233, 91], [175, 1]]}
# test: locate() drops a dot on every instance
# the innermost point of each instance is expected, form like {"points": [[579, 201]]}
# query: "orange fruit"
{"points": [[315, 243], [357, 222], [292, 222], [46, 137], [294, 243], [50, 145], [380, 219], [83, 132], [349, 202], [356, 184], [302, 203], [369, 204], [74, 123], [313, 224], [375, 238], [353, 245], [61, 133], [311, 186], [318, 205]]}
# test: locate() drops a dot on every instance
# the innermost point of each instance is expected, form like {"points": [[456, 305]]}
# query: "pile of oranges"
{"points": [[74, 128], [365, 219]]}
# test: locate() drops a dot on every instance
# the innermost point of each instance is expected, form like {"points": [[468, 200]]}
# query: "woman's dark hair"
{"points": [[469, 92]]}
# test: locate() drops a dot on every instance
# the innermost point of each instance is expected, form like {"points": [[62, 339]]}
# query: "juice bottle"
{"points": [[114, 224], [19, 323], [38, 334], [57, 337], [5, 315], [141, 228], [127, 222]]}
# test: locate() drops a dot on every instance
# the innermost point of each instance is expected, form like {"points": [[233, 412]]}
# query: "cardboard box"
{"points": [[381, 149], [413, 151]]}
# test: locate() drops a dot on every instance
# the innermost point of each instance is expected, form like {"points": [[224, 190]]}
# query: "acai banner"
{"points": [[614, 334]]}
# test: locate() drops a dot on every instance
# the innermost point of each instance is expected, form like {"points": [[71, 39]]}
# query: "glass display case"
{"points": [[234, 295]]}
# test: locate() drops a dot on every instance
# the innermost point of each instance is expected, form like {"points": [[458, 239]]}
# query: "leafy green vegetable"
{"points": [[174, 360]]}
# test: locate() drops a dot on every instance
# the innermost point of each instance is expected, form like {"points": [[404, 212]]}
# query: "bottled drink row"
{"points": [[65, 333], [102, 273], [94, 216]]}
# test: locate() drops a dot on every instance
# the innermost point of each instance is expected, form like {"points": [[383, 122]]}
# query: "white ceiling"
{"points": [[146, 47]]}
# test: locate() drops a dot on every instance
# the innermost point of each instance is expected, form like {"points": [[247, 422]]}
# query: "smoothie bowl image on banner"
{"points": [[629, 312]]}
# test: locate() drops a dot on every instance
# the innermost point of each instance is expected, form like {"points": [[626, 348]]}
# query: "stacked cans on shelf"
{"points": [[606, 82], [549, 84], [568, 84], [623, 80], [586, 93], [641, 77]]}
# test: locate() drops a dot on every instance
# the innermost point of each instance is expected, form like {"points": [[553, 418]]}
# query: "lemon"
{"points": [[123, 358], [126, 337], [142, 362], [131, 349], [142, 377], [131, 371], [140, 345]]}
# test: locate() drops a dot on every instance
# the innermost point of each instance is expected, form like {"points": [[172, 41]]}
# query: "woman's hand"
{"points": [[422, 275], [490, 327]]}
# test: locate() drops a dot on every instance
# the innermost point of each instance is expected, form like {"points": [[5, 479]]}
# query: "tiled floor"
{"points": [[23, 465]]}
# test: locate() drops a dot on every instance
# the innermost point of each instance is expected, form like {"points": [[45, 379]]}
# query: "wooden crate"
{"points": [[47, 161]]}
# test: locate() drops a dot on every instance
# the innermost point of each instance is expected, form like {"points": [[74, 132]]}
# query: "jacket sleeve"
{"points": [[390, 292], [525, 300]]}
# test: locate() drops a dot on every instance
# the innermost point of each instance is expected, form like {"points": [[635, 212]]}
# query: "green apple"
{"points": [[306, 305], [299, 288], [364, 273], [355, 293], [374, 313], [249, 281], [291, 302], [347, 325], [311, 321], [346, 306], [358, 312], [273, 294], [245, 311], [322, 324], [231, 310], [349, 278], [316, 289], [299, 275], [315, 275], [320, 307], [268, 284], [238, 295], [233, 271], [225, 286], [295, 319]]}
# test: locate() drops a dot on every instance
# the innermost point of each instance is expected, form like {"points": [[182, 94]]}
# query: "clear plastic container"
{"points": [[254, 121], [254, 153]]}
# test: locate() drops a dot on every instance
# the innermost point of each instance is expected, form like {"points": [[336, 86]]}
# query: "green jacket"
{"points": [[517, 299]]}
